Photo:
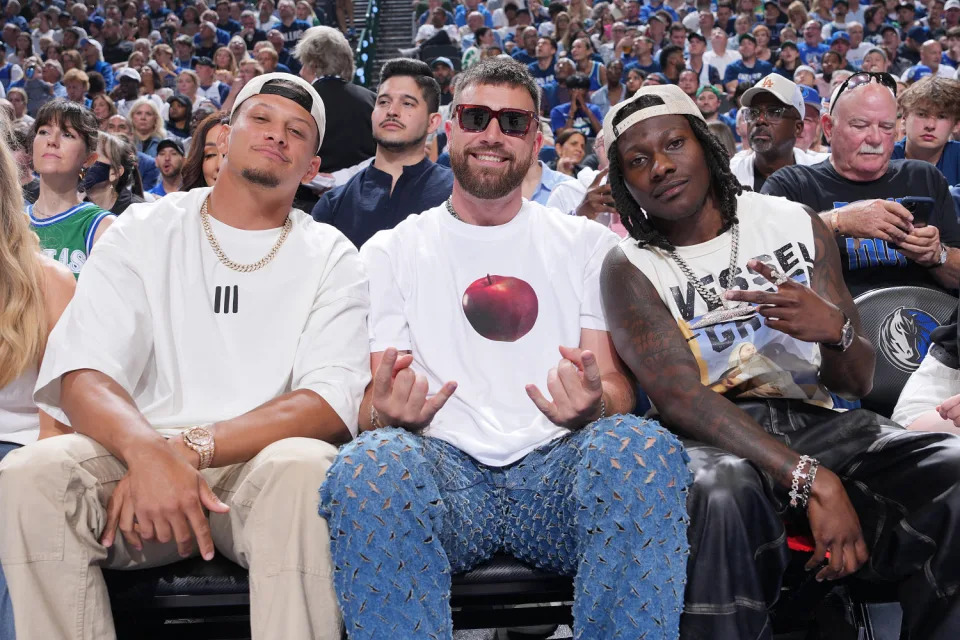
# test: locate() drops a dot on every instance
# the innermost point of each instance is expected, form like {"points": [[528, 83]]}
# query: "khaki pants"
{"points": [[54, 494]]}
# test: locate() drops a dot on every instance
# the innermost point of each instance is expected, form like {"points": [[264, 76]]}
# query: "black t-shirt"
{"points": [[348, 139], [871, 263]]}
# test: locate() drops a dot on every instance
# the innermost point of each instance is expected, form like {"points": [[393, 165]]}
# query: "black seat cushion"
{"points": [[195, 577]]}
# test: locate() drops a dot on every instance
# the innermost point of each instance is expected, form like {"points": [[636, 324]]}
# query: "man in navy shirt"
{"points": [[289, 26], [542, 69], [748, 69], [224, 21], [526, 50], [402, 180], [577, 114], [931, 109], [812, 48]]}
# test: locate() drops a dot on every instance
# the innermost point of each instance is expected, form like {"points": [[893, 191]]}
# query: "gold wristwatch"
{"points": [[200, 439]]}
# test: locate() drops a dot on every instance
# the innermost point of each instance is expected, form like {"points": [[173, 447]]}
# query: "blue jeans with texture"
{"points": [[606, 504], [7, 631]]}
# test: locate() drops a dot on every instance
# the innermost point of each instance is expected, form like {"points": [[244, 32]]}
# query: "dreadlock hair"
{"points": [[725, 185]]}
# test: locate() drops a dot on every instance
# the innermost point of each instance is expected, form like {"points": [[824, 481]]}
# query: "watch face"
{"points": [[199, 437], [847, 338]]}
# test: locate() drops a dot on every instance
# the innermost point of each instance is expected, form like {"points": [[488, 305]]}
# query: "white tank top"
{"points": [[743, 358], [19, 416]]}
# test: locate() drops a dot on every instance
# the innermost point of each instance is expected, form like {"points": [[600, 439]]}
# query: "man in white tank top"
{"points": [[730, 308]]}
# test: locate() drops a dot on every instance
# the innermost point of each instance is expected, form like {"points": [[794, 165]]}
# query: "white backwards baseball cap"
{"points": [[674, 102], [267, 84]]}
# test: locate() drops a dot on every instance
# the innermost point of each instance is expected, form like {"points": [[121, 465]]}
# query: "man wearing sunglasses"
{"points": [[774, 116], [463, 455], [858, 191]]}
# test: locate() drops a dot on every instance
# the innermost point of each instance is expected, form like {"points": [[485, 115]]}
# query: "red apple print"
{"points": [[500, 307]]}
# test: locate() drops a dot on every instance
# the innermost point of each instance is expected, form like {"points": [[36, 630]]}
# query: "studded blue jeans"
{"points": [[606, 504]]}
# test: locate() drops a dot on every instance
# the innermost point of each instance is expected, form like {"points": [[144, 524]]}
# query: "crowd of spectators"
{"points": [[108, 104]]}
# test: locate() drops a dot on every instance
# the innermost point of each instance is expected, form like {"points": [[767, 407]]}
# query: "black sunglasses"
{"points": [[865, 77], [476, 117]]}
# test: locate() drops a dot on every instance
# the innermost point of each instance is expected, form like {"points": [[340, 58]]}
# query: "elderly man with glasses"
{"points": [[857, 192], [774, 115]]}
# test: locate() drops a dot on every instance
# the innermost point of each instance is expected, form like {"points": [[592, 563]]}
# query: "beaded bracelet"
{"points": [[374, 417], [800, 497]]}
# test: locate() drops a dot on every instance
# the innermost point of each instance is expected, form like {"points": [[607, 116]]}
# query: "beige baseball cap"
{"points": [[786, 91], [675, 102], [266, 84]]}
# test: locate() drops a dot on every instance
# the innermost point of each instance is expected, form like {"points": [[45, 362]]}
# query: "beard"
{"points": [[403, 144], [260, 178], [485, 184]]}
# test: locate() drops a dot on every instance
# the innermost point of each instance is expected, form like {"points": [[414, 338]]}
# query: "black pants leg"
{"points": [[903, 485]]}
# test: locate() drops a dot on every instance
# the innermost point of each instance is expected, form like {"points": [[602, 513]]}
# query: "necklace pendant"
{"points": [[721, 315]]}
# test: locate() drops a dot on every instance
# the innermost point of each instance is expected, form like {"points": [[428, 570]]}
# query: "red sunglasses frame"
{"points": [[495, 115]]}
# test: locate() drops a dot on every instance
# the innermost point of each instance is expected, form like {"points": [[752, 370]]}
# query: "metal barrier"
{"points": [[366, 51]]}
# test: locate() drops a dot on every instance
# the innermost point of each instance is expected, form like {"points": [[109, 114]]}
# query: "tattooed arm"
{"points": [[648, 340], [848, 372]]}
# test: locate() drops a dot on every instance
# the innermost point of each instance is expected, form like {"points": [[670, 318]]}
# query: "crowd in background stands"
{"points": [[153, 72]]}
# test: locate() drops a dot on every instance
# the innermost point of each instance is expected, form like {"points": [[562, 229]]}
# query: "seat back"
{"points": [[898, 322]]}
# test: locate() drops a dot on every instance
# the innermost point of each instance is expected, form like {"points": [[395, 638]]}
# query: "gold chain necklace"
{"points": [[222, 257]]}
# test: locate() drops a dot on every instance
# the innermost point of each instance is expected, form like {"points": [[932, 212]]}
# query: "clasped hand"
{"points": [[794, 308]]}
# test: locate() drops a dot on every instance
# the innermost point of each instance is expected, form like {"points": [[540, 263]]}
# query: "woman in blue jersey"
{"points": [[65, 144], [582, 53]]}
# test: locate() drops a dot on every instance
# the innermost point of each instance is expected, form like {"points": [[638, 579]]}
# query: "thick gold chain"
{"points": [[222, 257]]}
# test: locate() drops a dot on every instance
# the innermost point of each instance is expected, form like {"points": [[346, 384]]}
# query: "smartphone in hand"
{"points": [[920, 207]]}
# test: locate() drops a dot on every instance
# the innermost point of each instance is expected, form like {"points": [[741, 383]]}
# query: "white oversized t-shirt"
{"points": [[193, 341], [487, 307]]}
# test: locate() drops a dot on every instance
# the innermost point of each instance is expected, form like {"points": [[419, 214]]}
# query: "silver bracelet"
{"points": [[800, 497], [603, 408]]}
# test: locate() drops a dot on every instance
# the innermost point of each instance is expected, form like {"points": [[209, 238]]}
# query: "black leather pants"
{"points": [[904, 485]]}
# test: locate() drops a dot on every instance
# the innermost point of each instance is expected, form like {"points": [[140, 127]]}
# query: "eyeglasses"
{"points": [[773, 115], [476, 117], [861, 78]]}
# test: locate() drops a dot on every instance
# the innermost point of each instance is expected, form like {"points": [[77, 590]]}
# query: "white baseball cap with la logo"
{"points": [[779, 87]]}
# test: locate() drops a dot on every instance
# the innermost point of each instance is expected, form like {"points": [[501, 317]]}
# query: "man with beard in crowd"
{"points": [[774, 115], [170, 162], [443, 71], [402, 180]]}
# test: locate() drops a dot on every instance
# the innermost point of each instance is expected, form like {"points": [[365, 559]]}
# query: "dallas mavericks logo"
{"points": [[905, 337]]}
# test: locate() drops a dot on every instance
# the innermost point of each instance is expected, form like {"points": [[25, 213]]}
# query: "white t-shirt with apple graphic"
{"points": [[487, 307]]}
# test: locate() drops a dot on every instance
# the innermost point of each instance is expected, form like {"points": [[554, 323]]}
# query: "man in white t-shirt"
{"points": [[471, 301], [223, 351], [719, 56]]}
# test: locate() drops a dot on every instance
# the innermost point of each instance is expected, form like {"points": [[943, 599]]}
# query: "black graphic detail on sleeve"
{"points": [[226, 295]]}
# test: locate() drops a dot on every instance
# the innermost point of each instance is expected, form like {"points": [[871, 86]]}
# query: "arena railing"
{"points": [[366, 51]]}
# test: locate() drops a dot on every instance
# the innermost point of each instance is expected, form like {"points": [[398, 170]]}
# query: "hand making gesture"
{"points": [[400, 395], [576, 389], [794, 308]]}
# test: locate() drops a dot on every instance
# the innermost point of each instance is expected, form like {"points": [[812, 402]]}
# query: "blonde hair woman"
{"points": [[223, 58], [147, 126], [34, 290]]}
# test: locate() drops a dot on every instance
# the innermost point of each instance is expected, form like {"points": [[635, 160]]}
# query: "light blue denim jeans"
{"points": [[606, 504], [7, 631]]}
